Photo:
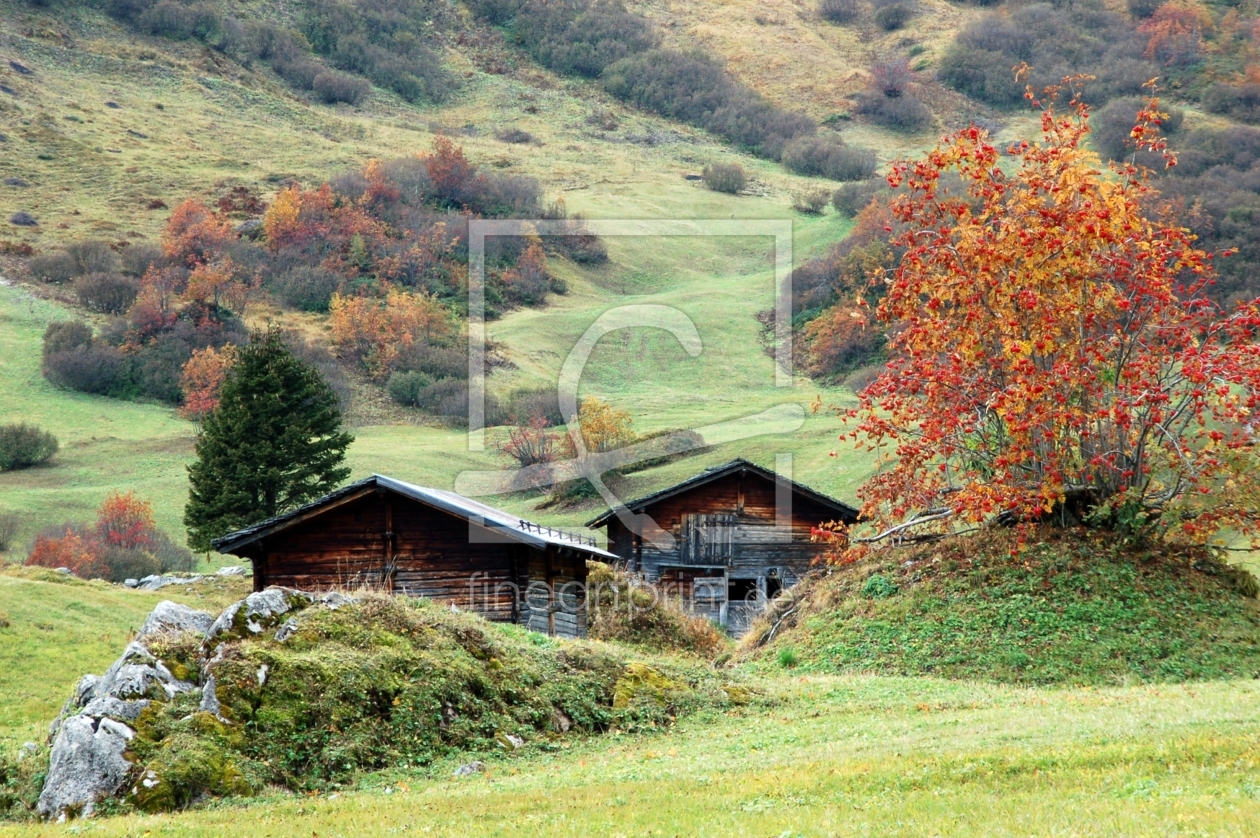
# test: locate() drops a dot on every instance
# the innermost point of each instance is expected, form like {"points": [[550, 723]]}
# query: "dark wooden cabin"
{"points": [[731, 552], [417, 541]]}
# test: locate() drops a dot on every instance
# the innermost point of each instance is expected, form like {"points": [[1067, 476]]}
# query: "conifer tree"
{"points": [[273, 443]]}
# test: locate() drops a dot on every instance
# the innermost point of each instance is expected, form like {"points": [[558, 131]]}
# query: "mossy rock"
{"points": [[641, 685]]}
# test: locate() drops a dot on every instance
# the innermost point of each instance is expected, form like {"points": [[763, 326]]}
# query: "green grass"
{"points": [[856, 755], [62, 628], [1071, 610]]}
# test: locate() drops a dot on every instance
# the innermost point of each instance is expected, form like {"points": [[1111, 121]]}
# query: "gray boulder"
{"points": [[259, 610], [86, 766], [172, 617], [231, 570]]}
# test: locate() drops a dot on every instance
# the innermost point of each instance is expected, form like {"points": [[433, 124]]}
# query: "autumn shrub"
{"points": [[332, 86], [1142, 9], [839, 11], [1240, 102], [23, 446], [724, 177], [169, 19], [107, 293], [57, 267], [516, 136], [66, 335], [828, 156], [810, 201], [123, 543], [530, 443]]}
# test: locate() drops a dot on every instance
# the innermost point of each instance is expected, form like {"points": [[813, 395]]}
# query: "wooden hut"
{"points": [[732, 552], [417, 541]]}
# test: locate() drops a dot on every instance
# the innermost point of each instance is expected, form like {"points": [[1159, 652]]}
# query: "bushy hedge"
{"points": [[725, 177], [852, 198], [828, 156], [23, 446], [1112, 124], [1240, 102], [107, 293], [839, 11], [579, 37], [1055, 41]]}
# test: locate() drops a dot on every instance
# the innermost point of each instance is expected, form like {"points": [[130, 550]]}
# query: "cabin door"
{"points": [[708, 539]]}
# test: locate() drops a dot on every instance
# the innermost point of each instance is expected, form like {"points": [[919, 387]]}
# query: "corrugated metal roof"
{"points": [[710, 474], [496, 520]]}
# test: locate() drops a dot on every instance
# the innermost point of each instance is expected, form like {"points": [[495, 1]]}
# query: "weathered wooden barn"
{"points": [[418, 541], [732, 552]]}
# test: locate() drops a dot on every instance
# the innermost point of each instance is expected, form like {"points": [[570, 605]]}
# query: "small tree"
{"points": [[273, 443], [23, 446], [1054, 350]]}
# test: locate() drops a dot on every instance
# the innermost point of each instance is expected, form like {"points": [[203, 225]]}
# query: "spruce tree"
{"points": [[273, 443]]}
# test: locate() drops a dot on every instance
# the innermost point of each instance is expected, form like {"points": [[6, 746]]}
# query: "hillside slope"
{"points": [[1070, 608]]}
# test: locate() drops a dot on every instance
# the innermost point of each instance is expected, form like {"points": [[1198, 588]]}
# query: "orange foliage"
{"points": [[124, 520], [603, 427], [1175, 32], [1050, 341], [450, 172], [841, 338], [81, 555], [377, 331], [203, 378], [217, 284], [195, 234]]}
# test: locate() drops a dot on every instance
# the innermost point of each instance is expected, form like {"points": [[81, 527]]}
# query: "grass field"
{"points": [[831, 756], [59, 629]]}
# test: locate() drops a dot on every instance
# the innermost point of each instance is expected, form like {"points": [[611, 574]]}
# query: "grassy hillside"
{"points": [[1070, 609], [54, 629], [850, 756]]}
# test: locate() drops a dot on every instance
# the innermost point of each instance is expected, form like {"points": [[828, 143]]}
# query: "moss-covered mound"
{"points": [[384, 682], [1075, 608], [627, 610]]}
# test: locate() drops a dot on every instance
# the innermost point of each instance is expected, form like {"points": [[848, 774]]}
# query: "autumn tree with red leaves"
{"points": [[203, 378], [195, 234], [1054, 354]]}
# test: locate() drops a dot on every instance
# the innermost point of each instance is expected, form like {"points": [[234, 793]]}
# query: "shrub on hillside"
{"points": [[1112, 128], [1240, 102], [852, 198], [525, 405], [66, 335], [1142, 9], [810, 201], [839, 11], [725, 177], [57, 267], [23, 446], [332, 86], [107, 293], [99, 370], [306, 288], [904, 113], [93, 257], [405, 387], [892, 15], [828, 156], [137, 257], [581, 37], [694, 89]]}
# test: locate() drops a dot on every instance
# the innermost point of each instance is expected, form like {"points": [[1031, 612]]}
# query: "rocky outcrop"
{"points": [[87, 765], [88, 760]]}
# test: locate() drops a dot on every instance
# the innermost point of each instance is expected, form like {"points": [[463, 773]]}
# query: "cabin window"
{"points": [[774, 587], [742, 590]]}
